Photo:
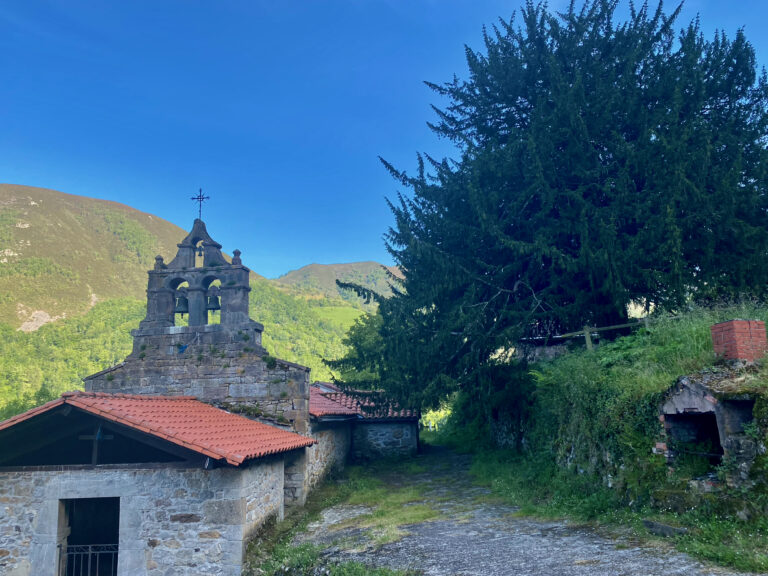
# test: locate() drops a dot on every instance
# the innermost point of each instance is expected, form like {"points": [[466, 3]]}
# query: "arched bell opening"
{"points": [[212, 287], [180, 289], [199, 254]]}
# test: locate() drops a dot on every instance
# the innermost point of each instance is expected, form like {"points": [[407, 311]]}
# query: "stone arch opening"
{"points": [[180, 289], [212, 286], [199, 253], [695, 439]]}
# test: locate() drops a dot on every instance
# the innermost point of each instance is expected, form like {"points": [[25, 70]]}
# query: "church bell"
{"points": [[213, 303], [182, 305]]}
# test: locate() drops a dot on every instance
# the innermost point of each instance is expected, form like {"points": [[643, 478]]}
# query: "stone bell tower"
{"points": [[222, 362], [165, 298]]}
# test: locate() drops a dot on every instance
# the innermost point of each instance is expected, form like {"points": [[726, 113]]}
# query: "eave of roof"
{"points": [[181, 420], [323, 408], [366, 406]]}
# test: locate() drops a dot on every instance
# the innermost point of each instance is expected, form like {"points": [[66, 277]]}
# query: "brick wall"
{"points": [[740, 339]]}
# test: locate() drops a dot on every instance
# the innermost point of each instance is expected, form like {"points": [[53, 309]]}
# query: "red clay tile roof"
{"points": [[372, 405], [320, 405], [184, 421], [326, 386]]}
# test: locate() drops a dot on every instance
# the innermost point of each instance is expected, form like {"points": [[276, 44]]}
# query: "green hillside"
{"points": [[321, 278], [39, 366], [83, 263], [60, 253]]}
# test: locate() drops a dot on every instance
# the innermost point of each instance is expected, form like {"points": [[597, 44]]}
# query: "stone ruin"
{"points": [[710, 414]]}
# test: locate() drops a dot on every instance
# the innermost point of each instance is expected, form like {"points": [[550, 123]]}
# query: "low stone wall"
{"points": [[385, 439], [184, 522], [330, 452]]}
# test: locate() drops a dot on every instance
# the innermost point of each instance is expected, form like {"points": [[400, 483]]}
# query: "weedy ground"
{"points": [[378, 487]]}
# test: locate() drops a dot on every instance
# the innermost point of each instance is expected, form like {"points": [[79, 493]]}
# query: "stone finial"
{"points": [[159, 264], [236, 258], [740, 340]]}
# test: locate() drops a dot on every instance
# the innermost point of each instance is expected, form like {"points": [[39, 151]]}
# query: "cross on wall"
{"points": [[97, 436]]}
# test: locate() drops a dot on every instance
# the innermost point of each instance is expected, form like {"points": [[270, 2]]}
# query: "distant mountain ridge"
{"points": [[321, 278], [61, 253]]}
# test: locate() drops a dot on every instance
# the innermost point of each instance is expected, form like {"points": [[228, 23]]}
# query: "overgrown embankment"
{"points": [[587, 426]]}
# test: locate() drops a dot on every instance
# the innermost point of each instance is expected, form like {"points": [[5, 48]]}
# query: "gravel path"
{"points": [[475, 538]]}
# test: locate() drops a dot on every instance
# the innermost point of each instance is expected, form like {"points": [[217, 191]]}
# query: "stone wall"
{"points": [[215, 364], [295, 484], [184, 522], [385, 439], [331, 451]]}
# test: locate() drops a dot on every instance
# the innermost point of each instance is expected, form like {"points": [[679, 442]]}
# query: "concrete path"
{"points": [[475, 538]]}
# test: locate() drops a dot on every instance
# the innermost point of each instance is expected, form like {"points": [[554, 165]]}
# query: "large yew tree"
{"points": [[600, 163]]}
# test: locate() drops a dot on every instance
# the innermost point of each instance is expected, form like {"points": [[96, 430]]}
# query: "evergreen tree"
{"points": [[600, 164]]}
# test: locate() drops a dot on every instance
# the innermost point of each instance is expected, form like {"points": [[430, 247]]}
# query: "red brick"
{"points": [[740, 339]]}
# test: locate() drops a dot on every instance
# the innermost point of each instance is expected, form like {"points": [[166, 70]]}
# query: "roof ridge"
{"points": [[83, 394]]}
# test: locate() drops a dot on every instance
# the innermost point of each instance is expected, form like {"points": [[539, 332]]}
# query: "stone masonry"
{"points": [[385, 439], [331, 451], [219, 367], [185, 522], [223, 364]]}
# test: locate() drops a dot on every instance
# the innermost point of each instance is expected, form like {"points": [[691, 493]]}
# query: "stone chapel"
{"points": [[171, 460]]}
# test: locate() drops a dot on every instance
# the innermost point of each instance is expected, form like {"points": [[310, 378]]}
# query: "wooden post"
{"points": [[588, 337]]}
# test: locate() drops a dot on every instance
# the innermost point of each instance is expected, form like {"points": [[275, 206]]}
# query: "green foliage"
{"points": [[138, 244], [61, 252], [590, 428], [273, 554], [598, 411], [542, 488], [342, 316], [38, 268], [296, 330], [8, 219], [360, 368], [323, 279], [727, 541], [38, 366], [582, 185]]}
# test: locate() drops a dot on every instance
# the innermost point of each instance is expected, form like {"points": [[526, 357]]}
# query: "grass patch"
{"points": [[271, 552], [541, 490], [342, 316]]}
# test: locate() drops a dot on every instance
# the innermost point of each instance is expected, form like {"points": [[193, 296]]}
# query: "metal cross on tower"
{"points": [[200, 199]]}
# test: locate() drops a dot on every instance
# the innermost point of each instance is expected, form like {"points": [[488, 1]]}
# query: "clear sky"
{"points": [[277, 109]]}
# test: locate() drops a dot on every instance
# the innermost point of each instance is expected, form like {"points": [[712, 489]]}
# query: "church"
{"points": [[170, 461]]}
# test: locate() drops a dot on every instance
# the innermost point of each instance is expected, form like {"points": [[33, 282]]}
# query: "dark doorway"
{"points": [[88, 536], [695, 435]]}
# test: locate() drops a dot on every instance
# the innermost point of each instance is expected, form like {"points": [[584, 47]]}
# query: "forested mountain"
{"points": [[72, 284], [321, 278], [60, 253]]}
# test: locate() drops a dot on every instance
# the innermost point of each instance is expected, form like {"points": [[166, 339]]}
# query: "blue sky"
{"points": [[278, 110]]}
